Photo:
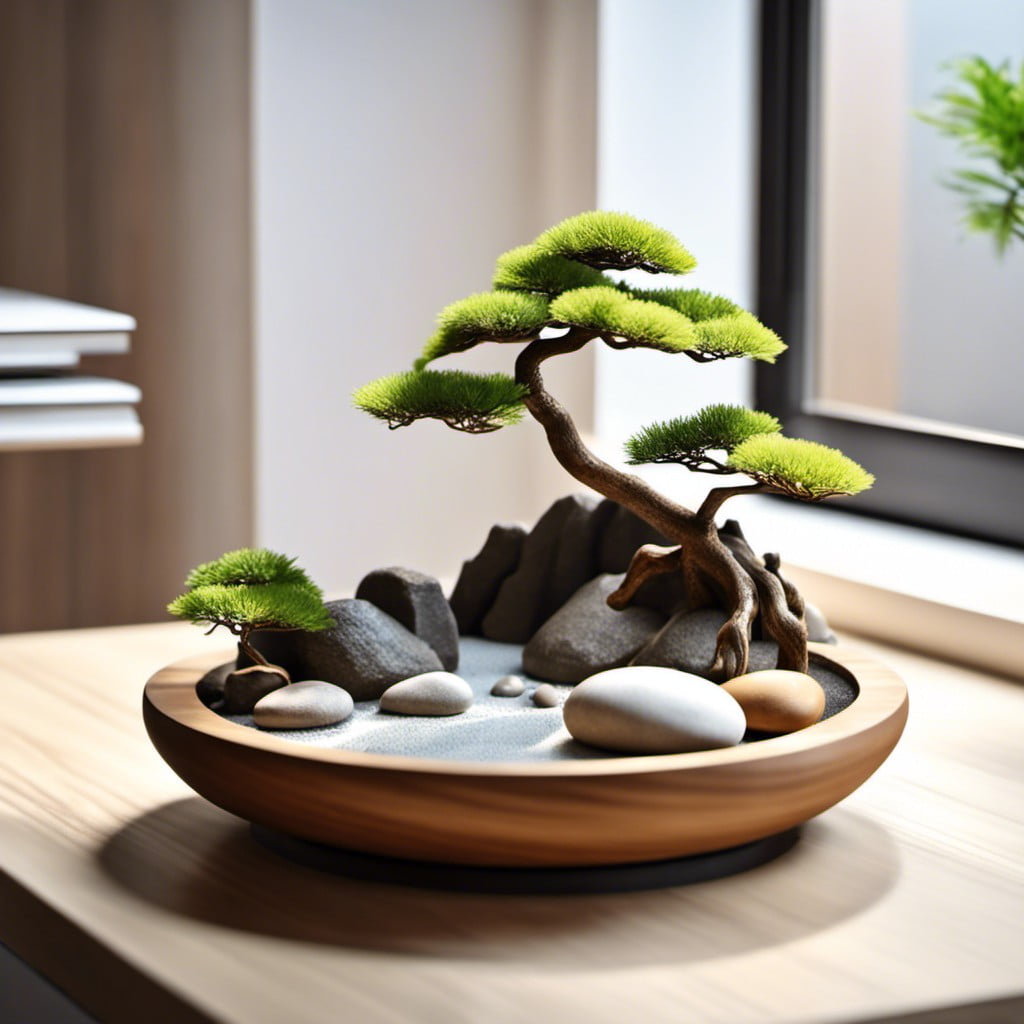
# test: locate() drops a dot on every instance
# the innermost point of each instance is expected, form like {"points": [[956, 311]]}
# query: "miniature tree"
{"points": [[250, 590], [986, 117], [554, 296]]}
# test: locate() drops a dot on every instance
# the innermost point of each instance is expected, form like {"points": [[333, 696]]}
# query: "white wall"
{"points": [[677, 122], [400, 147]]}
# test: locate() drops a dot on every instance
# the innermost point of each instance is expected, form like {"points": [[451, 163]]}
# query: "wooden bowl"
{"points": [[615, 810]]}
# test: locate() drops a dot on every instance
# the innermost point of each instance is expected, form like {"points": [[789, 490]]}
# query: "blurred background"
{"points": [[284, 193]]}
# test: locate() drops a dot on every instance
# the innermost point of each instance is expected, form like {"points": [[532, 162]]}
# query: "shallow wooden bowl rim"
{"points": [[882, 694]]}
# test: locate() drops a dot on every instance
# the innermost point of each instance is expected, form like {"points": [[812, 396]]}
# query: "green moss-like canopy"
{"points": [[739, 335], [615, 313], [688, 439], [802, 469], [616, 241], [472, 402], [487, 316], [249, 565], [530, 269], [698, 305], [261, 605]]}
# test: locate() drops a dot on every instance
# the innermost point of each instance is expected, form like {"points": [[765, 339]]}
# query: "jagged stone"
{"points": [[416, 601], [585, 636], [525, 596], [482, 576]]}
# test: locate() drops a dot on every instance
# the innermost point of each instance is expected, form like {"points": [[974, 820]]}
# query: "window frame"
{"points": [[963, 482]]}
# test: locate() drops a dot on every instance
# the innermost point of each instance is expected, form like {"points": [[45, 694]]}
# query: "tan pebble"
{"points": [[546, 696], [777, 700]]}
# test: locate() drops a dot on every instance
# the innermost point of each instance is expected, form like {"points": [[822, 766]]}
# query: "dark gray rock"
{"points": [[687, 642], [365, 651], [210, 689], [244, 687], [579, 548], [585, 636], [416, 601], [482, 576], [622, 536], [525, 597]]}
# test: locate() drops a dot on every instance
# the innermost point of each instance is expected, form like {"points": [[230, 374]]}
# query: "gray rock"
{"points": [[210, 689], [687, 642], [508, 686], [416, 601], [481, 577], [648, 710], [432, 693], [525, 597], [817, 627], [365, 651], [576, 560], [546, 696], [304, 705], [245, 686], [586, 636], [624, 533]]}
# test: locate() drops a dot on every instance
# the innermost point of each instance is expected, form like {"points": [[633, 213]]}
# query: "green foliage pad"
{"points": [[802, 469], [249, 565], [616, 241], [257, 606], [688, 439], [488, 316], [530, 269], [471, 402]]}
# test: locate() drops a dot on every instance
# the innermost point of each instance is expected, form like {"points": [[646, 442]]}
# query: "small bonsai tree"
{"points": [[249, 590], [554, 297], [985, 114]]}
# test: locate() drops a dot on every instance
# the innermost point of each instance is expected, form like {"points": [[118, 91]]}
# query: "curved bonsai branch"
{"points": [[567, 446], [717, 497], [650, 561]]}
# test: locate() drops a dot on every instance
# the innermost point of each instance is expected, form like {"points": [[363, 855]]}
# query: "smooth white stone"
{"points": [[508, 686], [432, 693], [304, 705], [651, 710]]}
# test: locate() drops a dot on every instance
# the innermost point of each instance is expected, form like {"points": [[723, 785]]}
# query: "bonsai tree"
{"points": [[985, 114], [554, 297], [249, 590]]}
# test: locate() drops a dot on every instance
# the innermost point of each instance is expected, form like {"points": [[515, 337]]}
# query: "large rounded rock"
{"points": [[307, 705], [365, 651], [433, 693], [778, 700], [687, 642], [416, 601], [585, 636], [652, 711], [482, 576]]}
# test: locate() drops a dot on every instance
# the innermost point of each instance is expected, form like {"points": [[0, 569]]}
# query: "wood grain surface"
{"points": [[147, 903], [606, 811]]}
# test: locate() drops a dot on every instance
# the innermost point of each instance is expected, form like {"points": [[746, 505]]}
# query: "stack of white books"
{"points": [[42, 403]]}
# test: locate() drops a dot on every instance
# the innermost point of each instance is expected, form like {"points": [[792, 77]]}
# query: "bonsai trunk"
{"points": [[718, 566], [244, 633]]}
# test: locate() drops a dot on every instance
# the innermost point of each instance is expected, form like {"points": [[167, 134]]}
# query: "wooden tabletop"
{"points": [[144, 902]]}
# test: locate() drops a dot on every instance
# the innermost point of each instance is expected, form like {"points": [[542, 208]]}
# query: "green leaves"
{"points": [[252, 588], [259, 606], [692, 302], [471, 402], [530, 269], [801, 469], [487, 316], [248, 565], [739, 335], [687, 440], [614, 313], [986, 116], [616, 241]]}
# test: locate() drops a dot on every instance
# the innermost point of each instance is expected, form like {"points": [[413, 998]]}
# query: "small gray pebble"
{"points": [[546, 696], [430, 693], [304, 705], [508, 686]]}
